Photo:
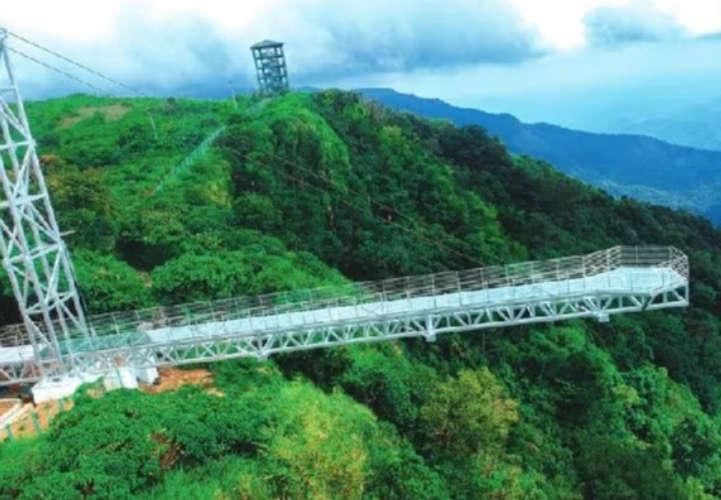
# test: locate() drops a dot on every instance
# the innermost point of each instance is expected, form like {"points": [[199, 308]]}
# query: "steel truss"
{"points": [[598, 285], [264, 344], [33, 252]]}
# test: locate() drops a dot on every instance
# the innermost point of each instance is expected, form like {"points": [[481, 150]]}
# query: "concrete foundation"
{"points": [[146, 375], [59, 387], [121, 378]]}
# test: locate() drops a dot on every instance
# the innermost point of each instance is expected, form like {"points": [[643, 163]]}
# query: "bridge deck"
{"points": [[617, 280], [640, 281]]}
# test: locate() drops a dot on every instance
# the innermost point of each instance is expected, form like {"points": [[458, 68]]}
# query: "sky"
{"points": [[591, 64]]}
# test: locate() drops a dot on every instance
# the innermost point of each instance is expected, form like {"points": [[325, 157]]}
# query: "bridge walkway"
{"points": [[597, 285]]}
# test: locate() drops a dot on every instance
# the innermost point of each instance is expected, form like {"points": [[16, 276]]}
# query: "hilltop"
{"points": [[312, 189]]}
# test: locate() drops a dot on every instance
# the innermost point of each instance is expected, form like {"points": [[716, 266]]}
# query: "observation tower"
{"points": [[270, 67]]}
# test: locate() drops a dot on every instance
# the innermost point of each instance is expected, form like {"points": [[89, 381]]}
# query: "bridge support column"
{"points": [[431, 329], [126, 377], [122, 377], [146, 375], [602, 317]]}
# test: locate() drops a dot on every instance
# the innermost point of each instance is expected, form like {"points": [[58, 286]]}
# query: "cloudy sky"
{"points": [[592, 64]]}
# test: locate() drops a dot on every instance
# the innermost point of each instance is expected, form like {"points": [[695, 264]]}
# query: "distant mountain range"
{"points": [[696, 127], [632, 165]]}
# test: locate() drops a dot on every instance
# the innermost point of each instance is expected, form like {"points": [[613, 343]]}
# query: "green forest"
{"points": [[313, 189]]}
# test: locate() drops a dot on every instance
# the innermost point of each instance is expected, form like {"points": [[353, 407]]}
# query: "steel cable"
{"points": [[76, 63], [60, 71]]}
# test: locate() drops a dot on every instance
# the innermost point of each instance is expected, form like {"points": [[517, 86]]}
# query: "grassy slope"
{"points": [[301, 186]]}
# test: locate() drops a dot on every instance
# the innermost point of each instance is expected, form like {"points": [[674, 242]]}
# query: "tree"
{"points": [[468, 413], [109, 284]]}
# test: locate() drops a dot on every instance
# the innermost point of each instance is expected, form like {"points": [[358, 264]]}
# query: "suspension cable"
{"points": [[76, 63], [60, 71], [379, 205], [433, 241], [418, 235]]}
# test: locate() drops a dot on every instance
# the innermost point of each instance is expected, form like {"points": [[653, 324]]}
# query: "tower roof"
{"points": [[265, 44]]}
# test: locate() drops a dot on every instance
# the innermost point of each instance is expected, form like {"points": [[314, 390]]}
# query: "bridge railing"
{"points": [[14, 335], [123, 328]]}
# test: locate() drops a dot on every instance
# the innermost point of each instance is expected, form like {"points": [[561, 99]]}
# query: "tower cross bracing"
{"points": [[33, 252]]}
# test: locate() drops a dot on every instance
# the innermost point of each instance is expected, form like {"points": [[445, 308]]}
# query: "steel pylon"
{"points": [[33, 252]]}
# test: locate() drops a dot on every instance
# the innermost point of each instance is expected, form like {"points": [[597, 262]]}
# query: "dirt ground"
{"points": [[171, 378], [6, 406], [45, 412], [111, 113]]}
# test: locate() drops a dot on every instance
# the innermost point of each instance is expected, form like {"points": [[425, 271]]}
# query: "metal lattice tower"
{"points": [[270, 66], [33, 252]]}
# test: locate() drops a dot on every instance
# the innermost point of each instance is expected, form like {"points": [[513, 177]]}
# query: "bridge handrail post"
{"points": [[663, 277], [558, 270], [608, 268], [460, 288], [608, 261], [435, 291], [567, 279]]}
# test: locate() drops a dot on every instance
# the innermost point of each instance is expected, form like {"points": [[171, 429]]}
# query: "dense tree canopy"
{"points": [[317, 189]]}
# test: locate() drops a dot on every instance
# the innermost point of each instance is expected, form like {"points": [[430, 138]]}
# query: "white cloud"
{"points": [[169, 44], [698, 17], [560, 22], [562, 27], [638, 21]]}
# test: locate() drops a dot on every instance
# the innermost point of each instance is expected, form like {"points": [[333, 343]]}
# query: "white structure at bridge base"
{"points": [[123, 377], [146, 375], [53, 388]]}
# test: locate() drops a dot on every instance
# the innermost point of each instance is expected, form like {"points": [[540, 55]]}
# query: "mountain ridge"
{"points": [[681, 177], [695, 126]]}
